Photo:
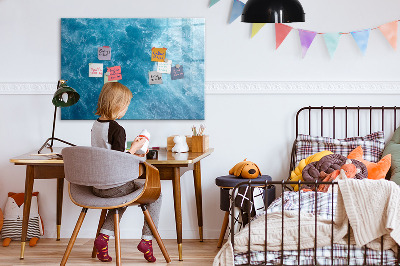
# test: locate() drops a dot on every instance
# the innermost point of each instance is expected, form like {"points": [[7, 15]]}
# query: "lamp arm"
{"points": [[54, 126]]}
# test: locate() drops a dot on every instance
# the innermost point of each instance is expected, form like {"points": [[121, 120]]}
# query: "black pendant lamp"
{"points": [[273, 11]]}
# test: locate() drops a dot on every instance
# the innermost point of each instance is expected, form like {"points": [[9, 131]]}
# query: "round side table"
{"points": [[228, 182]]}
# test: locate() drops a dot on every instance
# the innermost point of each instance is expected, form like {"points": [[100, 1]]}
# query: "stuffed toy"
{"points": [[180, 144], [375, 170], [245, 169], [296, 174], [13, 215]]}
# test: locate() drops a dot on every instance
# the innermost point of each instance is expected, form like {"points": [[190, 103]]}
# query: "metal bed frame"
{"points": [[283, 184]]}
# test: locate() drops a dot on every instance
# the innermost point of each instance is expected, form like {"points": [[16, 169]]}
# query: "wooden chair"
{"points": [[85, 167]]}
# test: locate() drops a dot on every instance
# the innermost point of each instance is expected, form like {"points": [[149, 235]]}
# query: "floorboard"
{"points": [[50, 252]]}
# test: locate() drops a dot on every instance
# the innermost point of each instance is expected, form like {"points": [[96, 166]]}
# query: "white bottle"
{"points": [[144, 134]]}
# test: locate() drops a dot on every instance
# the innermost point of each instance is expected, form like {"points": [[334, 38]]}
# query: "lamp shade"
{"points": [[65, 96], [273, 11]]}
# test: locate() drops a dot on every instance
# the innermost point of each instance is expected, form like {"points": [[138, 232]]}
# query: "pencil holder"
{"points": [[200, 143]]}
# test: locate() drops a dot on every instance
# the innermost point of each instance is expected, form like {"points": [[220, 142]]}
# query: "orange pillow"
{"points": [[375, 170]]}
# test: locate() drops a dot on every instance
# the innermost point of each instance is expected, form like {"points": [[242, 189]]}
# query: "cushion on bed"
{"points": [[372, 144], [375, 170], [328, 164], [393, 148]]}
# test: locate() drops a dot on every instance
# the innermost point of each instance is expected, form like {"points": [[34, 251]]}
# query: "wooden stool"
{"points": [[226, 183]]}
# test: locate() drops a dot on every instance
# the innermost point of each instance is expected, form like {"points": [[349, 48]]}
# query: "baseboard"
{"points": [[247, 87]]}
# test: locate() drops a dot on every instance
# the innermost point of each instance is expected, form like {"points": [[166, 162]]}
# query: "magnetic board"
{"points": [[130, 41]]}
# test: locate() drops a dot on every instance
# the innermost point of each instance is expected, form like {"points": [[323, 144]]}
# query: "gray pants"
{"points": [[154, 208]]}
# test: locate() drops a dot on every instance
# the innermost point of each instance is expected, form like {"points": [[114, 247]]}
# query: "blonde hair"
{"points": [[113, 98]]}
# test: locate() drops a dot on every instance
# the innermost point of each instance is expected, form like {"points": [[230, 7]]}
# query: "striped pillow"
{"points": [[372, 145]]}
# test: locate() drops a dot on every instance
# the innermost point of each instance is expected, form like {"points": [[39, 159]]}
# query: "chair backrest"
{"points": [[92, 166]]}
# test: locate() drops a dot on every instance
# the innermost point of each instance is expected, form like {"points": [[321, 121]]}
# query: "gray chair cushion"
{"points": [[84, 196]]}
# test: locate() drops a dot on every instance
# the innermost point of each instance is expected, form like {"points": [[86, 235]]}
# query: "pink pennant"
{"points": [[281, 31], [389, 30], [306, 39]]}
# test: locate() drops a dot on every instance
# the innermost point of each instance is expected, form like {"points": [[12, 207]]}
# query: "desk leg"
{"points": [[60, 190], [176, 182], [27, 206], [199, 204]]}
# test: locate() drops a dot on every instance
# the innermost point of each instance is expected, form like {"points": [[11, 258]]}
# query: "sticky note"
{"points": [[115, 73], [104, 53], [177, 72], [164, 67], [155, 77], [158, 54], [106, 78], [95, 70]]}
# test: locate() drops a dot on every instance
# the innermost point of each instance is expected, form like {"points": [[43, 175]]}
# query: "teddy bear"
{"points": [[180, 144], [245, 169], [13, 215]]}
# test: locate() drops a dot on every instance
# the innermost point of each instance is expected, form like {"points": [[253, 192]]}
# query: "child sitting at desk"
{"points": [[106, 133]]}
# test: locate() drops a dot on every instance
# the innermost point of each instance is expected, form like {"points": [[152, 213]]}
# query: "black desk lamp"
{"points": [[64, 96], [273, 11]]}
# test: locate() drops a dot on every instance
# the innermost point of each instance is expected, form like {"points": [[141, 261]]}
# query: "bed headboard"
{"points": [[344, 121]]}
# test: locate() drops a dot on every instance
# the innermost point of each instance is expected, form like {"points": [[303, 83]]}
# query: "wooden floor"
{"points": [[50, 252]]}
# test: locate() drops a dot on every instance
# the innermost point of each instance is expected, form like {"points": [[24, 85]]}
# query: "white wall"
{"points": [[258, 127]]}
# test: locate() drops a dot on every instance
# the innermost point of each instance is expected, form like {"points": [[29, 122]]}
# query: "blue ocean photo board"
{"points": [[137, 46]]}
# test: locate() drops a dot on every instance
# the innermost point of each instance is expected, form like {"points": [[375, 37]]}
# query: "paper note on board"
{"points": [[164, 67], [115, 73], [155, 77], [104, 53], [158, 54], [177, 72], [106, 78], [95, 70]]}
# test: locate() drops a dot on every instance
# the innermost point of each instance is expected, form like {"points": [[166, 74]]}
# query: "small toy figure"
{"points": [[180, 144]]}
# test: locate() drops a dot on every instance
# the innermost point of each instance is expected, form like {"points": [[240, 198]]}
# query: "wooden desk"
{"points": [[168, 164]]}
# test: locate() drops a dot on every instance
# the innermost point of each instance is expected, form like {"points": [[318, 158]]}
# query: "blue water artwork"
{"points": [[131, 41]]}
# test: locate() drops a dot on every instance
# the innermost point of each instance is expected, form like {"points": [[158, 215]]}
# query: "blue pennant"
{"points": [[237, 9]]}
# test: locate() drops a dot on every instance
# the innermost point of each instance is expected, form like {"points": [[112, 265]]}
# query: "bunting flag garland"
{"points": [[213, 2], [361, 37], [332, 41], [389, 30], [306, 39], [237, 9], [256, 28], [281, 31]]}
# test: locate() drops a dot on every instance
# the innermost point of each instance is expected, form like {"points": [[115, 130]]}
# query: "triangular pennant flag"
{"points": [[213, 2], [281, 31], [361, 37], [306, 39], [332, 41], [256, 28], [237, 9], [389, 30]]}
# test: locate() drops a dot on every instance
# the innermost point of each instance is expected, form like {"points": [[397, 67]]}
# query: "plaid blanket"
{"points": [[323, 205]]}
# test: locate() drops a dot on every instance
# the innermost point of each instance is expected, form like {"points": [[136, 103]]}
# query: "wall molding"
{"points": [[250, 87]]}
